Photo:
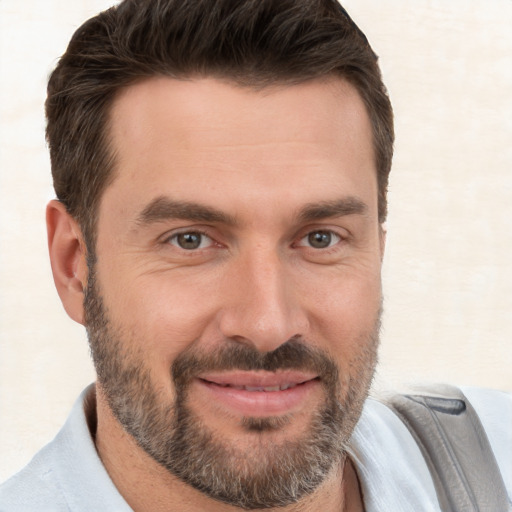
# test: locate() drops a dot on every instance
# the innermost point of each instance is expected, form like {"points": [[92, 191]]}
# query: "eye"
{"points": [[190, 240], [321, 239]]}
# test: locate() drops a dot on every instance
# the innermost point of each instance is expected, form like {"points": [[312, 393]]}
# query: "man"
{"points": [[221, 171]]}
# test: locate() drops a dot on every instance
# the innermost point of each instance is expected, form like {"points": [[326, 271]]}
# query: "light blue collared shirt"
{"points": [[67, 475]]}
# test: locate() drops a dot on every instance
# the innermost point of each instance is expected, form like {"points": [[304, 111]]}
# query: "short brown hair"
{"points": [[250, 42]]}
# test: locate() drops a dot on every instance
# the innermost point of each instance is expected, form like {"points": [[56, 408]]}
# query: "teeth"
{"points": [[282, 387], [267, 388]]}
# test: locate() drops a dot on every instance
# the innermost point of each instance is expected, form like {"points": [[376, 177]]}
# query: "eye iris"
{"points": [[189, 240], [320, 239]]}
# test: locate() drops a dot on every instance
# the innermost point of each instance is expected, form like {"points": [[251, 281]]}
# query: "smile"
{"points": [[259, 394], [266, 389]]}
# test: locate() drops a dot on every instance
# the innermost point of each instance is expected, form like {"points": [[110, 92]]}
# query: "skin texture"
{"points": [[279, 189]]}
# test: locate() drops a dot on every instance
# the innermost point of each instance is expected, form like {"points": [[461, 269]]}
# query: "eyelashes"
{"points": [[197, 240], [190, 240], [320, 239]]}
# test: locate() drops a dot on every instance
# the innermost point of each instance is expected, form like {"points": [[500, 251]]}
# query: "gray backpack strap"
{"points": [[456, 449]]}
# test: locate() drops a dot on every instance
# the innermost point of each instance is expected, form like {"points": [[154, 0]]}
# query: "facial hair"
{"points": [[269, 474]]}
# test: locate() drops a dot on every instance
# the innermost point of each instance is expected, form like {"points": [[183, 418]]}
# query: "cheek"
{"points": [[347, 312], [160, 313], [350, 332]]}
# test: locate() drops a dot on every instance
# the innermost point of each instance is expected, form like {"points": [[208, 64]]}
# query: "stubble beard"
{"points": [[268, 474]]}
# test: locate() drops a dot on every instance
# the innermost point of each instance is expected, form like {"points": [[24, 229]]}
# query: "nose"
{"points": [[263, 307]]}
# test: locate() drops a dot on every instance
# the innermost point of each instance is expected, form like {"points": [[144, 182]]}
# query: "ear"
{"points": [[68, 259], [382, 235]]}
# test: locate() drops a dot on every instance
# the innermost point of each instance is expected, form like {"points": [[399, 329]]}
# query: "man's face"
{"points": [[233, 311]]}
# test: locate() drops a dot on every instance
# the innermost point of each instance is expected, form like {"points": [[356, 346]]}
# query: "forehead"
{"points": [[162, 107], [196, 137]]}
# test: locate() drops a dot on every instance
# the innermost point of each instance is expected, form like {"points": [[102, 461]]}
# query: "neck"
{"points": [[146, 485]]}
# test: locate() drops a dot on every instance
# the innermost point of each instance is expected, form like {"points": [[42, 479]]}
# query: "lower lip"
{"points": [[259, 403]]}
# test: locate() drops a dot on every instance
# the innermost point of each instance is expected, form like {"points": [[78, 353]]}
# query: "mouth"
{"points": [[259, 394], [267, 389]]}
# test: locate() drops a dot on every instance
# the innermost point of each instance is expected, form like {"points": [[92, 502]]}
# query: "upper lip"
{"points": [[259, 380]]}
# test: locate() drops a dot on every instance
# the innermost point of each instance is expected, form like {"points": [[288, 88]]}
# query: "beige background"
{"points": [[447, 272]]}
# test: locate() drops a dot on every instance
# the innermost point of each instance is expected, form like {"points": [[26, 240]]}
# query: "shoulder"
{"points": [[67, 474], [385, 451], [33, 488], [494, 409]]}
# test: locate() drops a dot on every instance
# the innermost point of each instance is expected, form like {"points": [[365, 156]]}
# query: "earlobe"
{"points": [[68, 258]]}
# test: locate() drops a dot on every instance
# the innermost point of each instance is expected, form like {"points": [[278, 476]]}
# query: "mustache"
{"points": [[294, 354]]}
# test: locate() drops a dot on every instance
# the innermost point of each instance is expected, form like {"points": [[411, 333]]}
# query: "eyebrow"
{"points": [[164, 208], [328, 209]]}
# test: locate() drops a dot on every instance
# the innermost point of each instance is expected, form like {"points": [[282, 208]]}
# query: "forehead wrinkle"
{"points": [[165, 208], [336, 208]]}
